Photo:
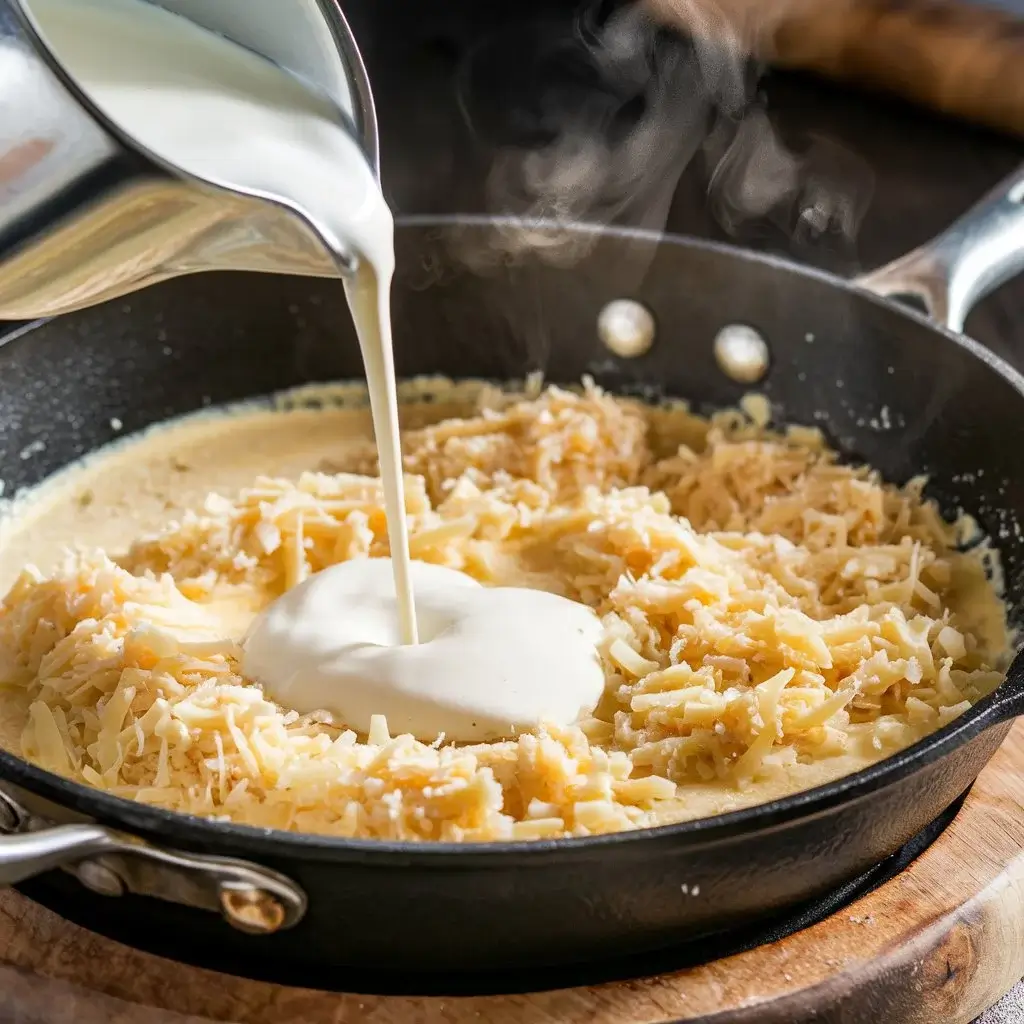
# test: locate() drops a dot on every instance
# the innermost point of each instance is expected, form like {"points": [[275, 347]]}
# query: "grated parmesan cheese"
{"points": [[765, 609]]}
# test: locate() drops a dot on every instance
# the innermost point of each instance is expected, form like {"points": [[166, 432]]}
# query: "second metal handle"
{"points": [[972, 257]]}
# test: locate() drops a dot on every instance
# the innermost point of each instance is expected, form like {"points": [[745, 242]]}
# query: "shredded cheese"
{"points": [[765, 608]]}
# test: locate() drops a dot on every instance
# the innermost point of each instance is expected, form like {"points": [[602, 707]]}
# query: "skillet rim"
{"points": [[1004, 703]]}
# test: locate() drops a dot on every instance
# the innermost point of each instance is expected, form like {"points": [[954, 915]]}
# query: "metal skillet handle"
{"points": [[971, 258], [250, 898]]}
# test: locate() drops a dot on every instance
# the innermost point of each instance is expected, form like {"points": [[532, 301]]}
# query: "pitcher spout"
{"points": [[87, 214]]}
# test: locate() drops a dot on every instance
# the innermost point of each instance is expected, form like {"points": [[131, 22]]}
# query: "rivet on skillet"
{"points": [[251, 909], [741, 353], [626, 328], [99, 878]]}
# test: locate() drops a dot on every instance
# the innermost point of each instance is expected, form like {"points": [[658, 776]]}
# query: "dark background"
{"points": [[912, 172]]}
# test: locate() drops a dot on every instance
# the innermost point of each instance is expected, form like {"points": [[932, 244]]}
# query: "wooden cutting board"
{"points": [[960, 57], [937, 944]]}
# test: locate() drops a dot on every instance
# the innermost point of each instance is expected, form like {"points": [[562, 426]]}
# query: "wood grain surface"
{"points": [[940, 942], [959, 57]]}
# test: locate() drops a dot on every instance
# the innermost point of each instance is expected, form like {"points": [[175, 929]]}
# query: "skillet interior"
{"points": [[954, 413]]}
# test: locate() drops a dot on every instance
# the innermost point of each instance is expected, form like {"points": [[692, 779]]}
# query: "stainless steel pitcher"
{"points": [[86, 216]]}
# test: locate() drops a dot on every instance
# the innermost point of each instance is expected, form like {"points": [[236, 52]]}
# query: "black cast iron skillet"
{"points": [[842, 358]]}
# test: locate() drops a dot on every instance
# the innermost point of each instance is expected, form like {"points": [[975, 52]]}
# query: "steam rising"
{"points": [[604, 165], [817, 199], [608, 143]]}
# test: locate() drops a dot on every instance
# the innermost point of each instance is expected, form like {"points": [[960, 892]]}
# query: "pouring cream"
{"points": [[491, 661]]}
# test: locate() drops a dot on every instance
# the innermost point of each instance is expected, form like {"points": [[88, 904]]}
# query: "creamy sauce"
{"points": [[136, 486], [228, 117]]}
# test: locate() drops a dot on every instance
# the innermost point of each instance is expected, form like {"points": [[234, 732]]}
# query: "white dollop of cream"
{"points": [[491, 661]]}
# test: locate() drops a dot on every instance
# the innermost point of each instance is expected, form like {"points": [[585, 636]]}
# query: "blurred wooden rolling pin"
{"points": [[961, 57]]}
